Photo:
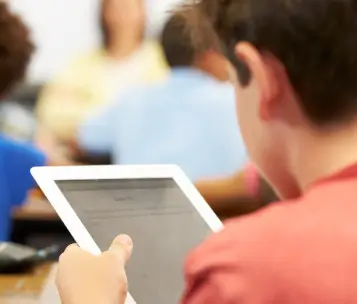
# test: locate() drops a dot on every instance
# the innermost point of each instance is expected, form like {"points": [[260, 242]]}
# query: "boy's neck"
{"points": [[321, 154], [213, 65]]}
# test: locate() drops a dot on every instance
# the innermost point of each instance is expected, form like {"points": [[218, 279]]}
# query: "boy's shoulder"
{"points": [[7, 144], [215, 97], [139, 95], [16, 153], [284, 244], [218, 89], [246, 235], [235, 262], [275, 228], [276, 225]]}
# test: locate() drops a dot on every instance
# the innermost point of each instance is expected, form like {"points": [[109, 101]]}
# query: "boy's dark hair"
{"points": [[176, 41], [15, 49], [316, 40]]}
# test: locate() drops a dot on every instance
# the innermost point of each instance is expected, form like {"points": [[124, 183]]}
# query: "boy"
{"points": [[296, 62], [16, 160], [188, 120]]}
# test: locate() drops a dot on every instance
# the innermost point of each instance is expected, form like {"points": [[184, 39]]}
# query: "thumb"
{"points": [[122, 246]]}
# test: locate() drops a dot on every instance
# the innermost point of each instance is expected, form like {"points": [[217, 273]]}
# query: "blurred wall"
{"points": [[63, 28]]}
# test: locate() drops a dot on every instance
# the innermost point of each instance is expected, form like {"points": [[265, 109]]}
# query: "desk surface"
{"points": [[36, 209], [26, 288]]}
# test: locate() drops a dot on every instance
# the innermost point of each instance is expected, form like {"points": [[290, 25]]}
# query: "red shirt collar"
{"points": [[346, 173]]}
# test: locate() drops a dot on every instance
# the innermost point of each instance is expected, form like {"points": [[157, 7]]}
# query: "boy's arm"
{"points": [[234, 195], [226, 189]]}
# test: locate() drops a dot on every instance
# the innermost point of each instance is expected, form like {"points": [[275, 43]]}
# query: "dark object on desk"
{"points": [[79, 156], [93, 160], [39, 233], [16, 258]]}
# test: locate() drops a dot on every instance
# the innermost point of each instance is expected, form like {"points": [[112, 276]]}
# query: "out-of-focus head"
{"points": [[122, 16], [16, 49], [176, 42], [179, 49], [296, 66]]}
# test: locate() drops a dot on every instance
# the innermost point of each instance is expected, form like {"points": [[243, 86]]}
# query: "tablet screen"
{"points": [[162, 222]]}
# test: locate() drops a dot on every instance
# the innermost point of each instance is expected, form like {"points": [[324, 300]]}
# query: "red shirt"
{"points": [[295, 252]]}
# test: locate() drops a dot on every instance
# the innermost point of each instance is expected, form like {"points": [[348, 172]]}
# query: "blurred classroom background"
{"points": [[89, 54], [62, 31], [113, 82]]}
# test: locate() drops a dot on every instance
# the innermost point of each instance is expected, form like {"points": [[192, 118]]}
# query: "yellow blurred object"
{"points": [[91, 82]]}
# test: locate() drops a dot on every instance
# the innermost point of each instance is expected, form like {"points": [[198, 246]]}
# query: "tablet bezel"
{"points": [[47, 176]]}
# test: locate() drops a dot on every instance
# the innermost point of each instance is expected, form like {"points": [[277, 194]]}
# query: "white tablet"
{"points": [[156, 205]]}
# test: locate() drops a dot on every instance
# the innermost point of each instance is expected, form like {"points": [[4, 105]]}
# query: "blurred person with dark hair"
{"points": [[16, 159], [188, 120], [126, 58]]}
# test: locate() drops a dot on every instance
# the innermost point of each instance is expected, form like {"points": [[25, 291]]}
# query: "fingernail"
{"points": [[125, 240]]}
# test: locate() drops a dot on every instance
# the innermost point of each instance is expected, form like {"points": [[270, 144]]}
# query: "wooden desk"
{"points": [[50, 294], [25, 288], [37, 209]]}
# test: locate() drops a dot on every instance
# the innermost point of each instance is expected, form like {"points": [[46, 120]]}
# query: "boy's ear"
{"points": [[261, 75]]}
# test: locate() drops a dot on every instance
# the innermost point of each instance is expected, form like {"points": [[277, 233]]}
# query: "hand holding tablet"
{"points": [[157, 206], [85, 278]]}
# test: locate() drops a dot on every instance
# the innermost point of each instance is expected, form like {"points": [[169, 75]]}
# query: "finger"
{"points": [[72, 247], [122, 246], [69, 250]]}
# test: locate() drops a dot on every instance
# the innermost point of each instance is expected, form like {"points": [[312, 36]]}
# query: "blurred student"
{"points": [[93, 80], [16, 159], [188, 120], [296, 63]]}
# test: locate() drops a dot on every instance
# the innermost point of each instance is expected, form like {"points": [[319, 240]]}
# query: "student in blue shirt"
{"points": [[188, 120], [16, 159]]}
